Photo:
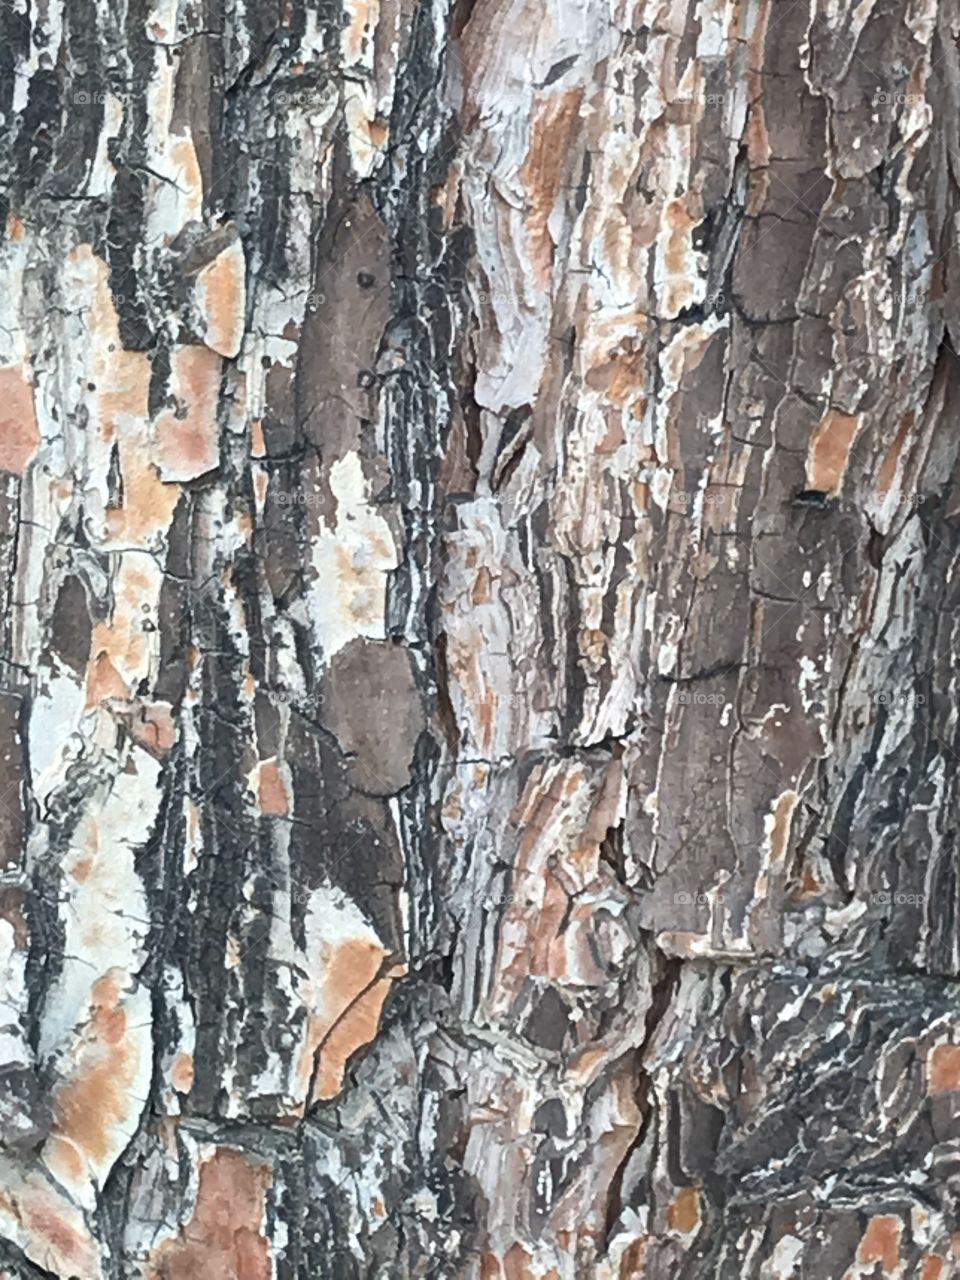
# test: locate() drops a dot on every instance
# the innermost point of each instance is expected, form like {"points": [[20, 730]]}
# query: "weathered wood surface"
{"points": [[480, 601]]}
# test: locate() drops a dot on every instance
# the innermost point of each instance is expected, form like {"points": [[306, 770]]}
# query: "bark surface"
{"points": [[479, 502]]}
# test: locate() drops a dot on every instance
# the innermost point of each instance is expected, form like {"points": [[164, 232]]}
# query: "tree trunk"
{"points": [[479, 698]]}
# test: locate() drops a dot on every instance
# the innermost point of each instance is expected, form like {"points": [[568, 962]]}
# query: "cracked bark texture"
{"points": [[478, 708]]}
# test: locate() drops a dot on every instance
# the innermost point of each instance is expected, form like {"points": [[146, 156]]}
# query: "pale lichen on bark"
{"points": [[478, 541]]}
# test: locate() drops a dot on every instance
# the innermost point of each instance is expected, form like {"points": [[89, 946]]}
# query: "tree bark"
{"points": [[480, 582]]}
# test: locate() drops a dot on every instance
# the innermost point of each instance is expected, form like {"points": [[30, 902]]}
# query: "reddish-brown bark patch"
{"points": [[945, 1068], [353, 1002], [62, 1245], [224, 1239], [221, 291], [633, 1261], [104, 681], [683, 1212], [19, 432], [182, 1073], [881, 1242], [187, 445], [830, 448], [271, 789], [95, 1098], [151, 725], [258, 446], [542, 172], [782, 816]]}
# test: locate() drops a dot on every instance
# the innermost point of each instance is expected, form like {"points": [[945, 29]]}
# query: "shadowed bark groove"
{"points": [[479, 500]]}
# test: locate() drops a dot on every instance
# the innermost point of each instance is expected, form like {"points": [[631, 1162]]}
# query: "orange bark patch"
{"points": [[122, 377], [585, 1063], [679, 222], [881, 1242], [945, 1068], [378, 133], [81, 869], [19, 433], [352, 1005], [187, 445], [181, 1072], [104, 681], [486, 712], [148, 503], [622, 377], [221, 296], [224, 1239], [63, 1158], [809, 884], [54, 1241], [356, 34], [830, 448], [780, 830], [683, 1212], [95, 1098], [518, 1265], [355, 1029], [490, 1268], [151, 725], [543, 170], [932, 1267], [544, 929], [271, 789], [120, 644], [482, 593], [633, 1260], [258, 447]]}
